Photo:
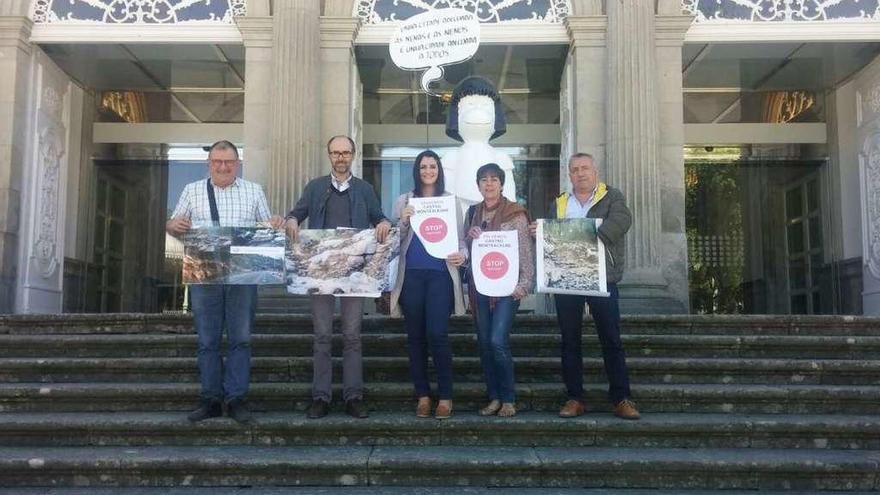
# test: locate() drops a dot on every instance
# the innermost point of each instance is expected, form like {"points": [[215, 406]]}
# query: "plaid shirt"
{"points": [[241, 204]]}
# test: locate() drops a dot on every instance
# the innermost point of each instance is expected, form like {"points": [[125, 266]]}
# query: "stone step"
{"points": [[743, 469], [752, 399], [641, 324], [466, 369], [530, 429], [396, 490], [541, 345]]}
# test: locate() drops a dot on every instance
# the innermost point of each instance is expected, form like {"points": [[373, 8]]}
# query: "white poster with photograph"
{"points": [[495, 263], [435, 224], [570, 257], [342, 262], [233, 256]]}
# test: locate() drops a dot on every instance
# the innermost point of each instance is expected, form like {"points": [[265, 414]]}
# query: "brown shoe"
{"points": [[317, 409], [571, 409], [423, 409], [626, 409], [356, 409], [444, 409]]}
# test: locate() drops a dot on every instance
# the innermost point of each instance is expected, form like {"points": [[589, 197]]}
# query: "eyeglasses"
{"points": [[340, 154], [228, 163]]}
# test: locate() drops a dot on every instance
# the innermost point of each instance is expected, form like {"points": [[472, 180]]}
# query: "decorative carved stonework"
{"points": [[565, 117], [50, 152], [51, 102], [873, 100], [488, 11], [872, 203]]}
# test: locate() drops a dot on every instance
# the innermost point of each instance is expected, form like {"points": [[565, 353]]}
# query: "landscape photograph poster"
{"points": [[342, 262], [495, 263], [570, 257], [434, 222], [233, 256]]}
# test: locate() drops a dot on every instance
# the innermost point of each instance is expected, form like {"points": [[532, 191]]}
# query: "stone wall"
{"points": [[868, 144]]}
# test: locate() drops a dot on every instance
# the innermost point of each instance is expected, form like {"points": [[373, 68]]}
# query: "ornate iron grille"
{"points": [[487, 11], [136, 11], [782, 10]]}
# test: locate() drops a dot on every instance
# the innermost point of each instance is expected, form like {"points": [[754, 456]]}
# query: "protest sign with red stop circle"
{"points": [[434, 223], [496, 263], [433, 229]]}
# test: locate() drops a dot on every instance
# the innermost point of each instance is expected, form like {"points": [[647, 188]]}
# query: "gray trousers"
{"points": [[352, 310]]}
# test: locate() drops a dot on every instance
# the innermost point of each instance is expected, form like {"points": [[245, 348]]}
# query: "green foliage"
{"points": [[713, 206]]}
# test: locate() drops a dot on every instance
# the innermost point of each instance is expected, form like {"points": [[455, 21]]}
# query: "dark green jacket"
{"points": [[611, 207]]}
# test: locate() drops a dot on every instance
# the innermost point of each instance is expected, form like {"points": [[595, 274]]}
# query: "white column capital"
{"points": [[670, 30], [256, 32], [339, 32], [258, 8], [588, 30], [16, 31]]}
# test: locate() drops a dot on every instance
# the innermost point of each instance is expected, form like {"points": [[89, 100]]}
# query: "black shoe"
{"points": [[317, 409], [237, 410], [207, 409], [356, 409]]}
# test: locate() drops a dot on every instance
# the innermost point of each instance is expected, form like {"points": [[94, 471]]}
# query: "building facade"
{"points": [[745, 134]]}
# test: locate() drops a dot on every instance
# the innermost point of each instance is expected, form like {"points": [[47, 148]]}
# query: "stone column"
{"points": [[295, 101], [256, 33], [339, 101], [584, 112], [19, 8], [259, 8], [15, 68], [633, 138], [670, 31], [44, 187], [868, 143], [632, 125]]}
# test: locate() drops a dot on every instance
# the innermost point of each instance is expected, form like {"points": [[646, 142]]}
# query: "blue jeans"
{"points": [[493, 336], [426, 300], [213, 306], [606, 315]]}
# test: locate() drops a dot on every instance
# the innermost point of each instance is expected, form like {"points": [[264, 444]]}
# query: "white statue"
{"points": [[475, 117]]}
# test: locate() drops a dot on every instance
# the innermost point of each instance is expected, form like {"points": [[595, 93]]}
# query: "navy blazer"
{"points": [[366, 211]]}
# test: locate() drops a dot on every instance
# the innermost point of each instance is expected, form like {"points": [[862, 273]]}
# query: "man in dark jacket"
{"points": [[594, 199], [338, 200]]}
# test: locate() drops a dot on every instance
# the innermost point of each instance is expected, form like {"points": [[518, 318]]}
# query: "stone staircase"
{"points": [[96, 404]]}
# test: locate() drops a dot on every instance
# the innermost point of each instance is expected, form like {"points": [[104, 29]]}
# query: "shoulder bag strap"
{"points": [[215, 214]]}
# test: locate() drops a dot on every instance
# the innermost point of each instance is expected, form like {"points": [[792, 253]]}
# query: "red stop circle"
{"points": [[434, 229], [494, 265]]}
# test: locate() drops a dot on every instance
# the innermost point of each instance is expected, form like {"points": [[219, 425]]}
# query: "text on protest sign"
{"points": [[434, 39], [434, 223], [495, 264]]}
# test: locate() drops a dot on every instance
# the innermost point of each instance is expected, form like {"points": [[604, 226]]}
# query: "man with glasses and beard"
{"points": [[338, 199]]}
